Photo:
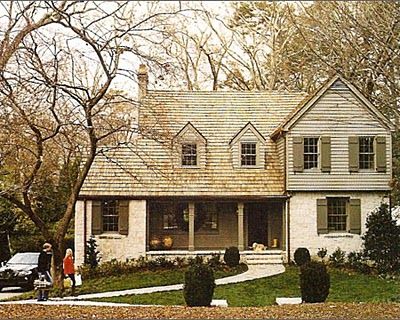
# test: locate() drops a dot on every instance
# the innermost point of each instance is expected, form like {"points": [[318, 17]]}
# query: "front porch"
{"points": [[176, 228]]}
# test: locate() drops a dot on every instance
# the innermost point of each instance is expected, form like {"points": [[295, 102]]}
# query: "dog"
{"points": [[258, 246]]}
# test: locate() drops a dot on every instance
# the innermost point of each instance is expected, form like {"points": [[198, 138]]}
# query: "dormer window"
{"points": [[248, 148], [190, 148], [248, 154], [189, 154]]}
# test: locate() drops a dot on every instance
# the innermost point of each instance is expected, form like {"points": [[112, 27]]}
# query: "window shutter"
{"points": [[298, 154], [355, 216], [123, 219], [353, 154], [97, 219], [325, 154], [322, 216], [380, 151]]}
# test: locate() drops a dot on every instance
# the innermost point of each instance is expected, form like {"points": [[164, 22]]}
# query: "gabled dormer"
{"points": [[248, 148], [190, 146]]}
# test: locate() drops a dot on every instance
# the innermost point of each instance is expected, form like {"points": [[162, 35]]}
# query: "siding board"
{"points": [[347, 117]]}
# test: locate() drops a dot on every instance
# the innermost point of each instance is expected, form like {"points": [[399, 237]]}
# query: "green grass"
{"points": [[345, 287], [140, 279]]}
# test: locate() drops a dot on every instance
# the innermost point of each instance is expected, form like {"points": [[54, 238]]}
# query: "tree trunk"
{"points": [[57, 266]]}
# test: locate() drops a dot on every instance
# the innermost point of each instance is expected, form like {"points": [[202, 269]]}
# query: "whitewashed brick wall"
{"points": [[303, 222], [113, 245], [79, 231]]}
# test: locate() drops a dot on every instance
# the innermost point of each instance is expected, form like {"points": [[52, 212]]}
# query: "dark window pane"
{"points": [[248, 154], [337, 214], [189, 155], [310, 153], [109, 211], [174, 215], [366, 152], [206, 216]]}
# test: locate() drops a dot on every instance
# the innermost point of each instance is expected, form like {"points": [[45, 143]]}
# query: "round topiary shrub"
{"points": [[314, 282], [199, 286], [302, 256], [232, 256]]}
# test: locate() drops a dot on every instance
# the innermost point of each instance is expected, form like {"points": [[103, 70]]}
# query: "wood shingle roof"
{"points": [[150, 167]]}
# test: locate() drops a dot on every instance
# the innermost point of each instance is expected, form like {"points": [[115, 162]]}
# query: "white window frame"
{"points": [[256, 154], [105, 206], [373, 153], [197, 154], [347, 209], [318, 153]]}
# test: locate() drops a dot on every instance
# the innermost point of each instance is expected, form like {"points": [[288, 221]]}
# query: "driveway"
{"points": [[10, 292]]}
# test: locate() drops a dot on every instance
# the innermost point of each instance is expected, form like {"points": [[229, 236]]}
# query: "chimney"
{"points": [[143, 80]]}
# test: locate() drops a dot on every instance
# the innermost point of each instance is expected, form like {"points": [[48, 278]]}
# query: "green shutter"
{"points": [[298, 154], [355, 216], [380, 151], [325, 154], [322, 216], [123, 217], [353, 154], [97, 219]]}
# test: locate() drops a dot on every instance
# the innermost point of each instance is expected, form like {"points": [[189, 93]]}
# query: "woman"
{"points": [[69, 269]]}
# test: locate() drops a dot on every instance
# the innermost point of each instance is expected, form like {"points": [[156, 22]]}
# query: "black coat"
{"points": [[44, 261]]}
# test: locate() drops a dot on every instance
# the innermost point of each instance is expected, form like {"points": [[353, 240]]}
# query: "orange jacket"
{"points": [[68, 265]]}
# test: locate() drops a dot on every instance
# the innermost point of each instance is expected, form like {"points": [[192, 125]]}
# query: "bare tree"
{"points": [[19, 19], [60, 102], [258, 58], [358, 40]]}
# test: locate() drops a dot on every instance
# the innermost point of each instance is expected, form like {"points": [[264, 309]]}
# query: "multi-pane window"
{"points": [[174, 215], [109, 211], [337, 214], [169, 220], [189, 154], [310, 153], [207, 215], [248, 154], [366, 152], [211, 222]]}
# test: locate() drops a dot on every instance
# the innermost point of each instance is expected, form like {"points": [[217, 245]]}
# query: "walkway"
{"points": [[254, 272]]}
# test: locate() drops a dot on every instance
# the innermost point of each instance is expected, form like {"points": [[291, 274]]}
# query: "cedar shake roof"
{"points": [[152, 168]]}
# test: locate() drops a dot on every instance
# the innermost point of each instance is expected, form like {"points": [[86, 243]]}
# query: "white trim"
{"points": [[252, 128], [190, 127]]}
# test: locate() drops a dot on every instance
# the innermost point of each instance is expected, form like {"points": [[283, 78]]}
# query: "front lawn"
{"points": [[345, 287], [140, 279]]}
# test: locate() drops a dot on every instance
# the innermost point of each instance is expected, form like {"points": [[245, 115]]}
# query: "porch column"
{"points": [[240, 226], [191, 226]]}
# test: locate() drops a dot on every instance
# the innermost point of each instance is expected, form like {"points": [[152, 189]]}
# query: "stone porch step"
{"points": [[264, 257]]}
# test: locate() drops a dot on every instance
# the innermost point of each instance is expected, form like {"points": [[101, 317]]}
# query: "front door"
{"points": [[257, 224]]}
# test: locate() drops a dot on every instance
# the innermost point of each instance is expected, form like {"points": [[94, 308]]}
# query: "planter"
{"points": [[155, 244], [167, 242]]}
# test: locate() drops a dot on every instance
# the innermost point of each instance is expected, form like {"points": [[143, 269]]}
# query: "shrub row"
{"points": [[354, 260], [115, 267]]}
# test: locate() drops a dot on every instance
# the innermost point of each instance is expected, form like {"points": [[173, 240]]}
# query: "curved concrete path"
{"points": [[253, 272]]}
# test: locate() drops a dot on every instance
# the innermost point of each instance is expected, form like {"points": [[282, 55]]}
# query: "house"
{"points": [[218, 169]]}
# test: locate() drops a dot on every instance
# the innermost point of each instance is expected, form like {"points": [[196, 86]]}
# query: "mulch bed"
{"points": [[304, 311]]}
